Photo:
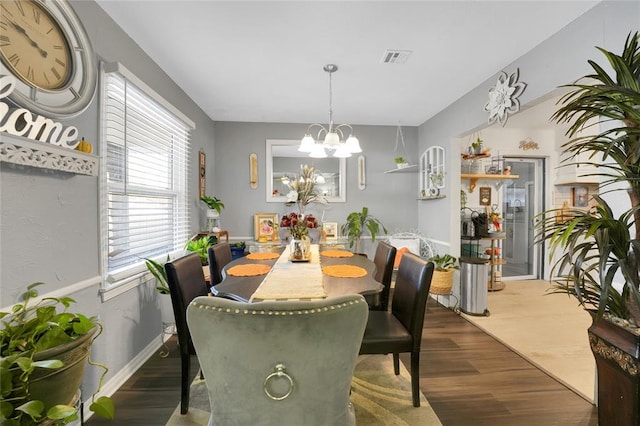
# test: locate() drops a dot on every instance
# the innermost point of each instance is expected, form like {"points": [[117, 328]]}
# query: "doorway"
{"points": [[523, 200]]}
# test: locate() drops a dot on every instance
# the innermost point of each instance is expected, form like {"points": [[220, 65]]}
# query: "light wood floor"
{"points": [[468, 377]]}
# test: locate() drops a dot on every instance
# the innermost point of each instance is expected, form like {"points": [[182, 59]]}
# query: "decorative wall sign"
{"points": [[485, 195], [362, 178], [253, 170], [202, 173], [528, 144], [503, 98]]}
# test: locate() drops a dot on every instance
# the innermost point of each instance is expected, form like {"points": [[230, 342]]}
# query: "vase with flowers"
{"points": [[298, 227], [302, 191]]}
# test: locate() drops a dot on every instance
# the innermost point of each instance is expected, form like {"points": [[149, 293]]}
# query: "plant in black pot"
{"points": [[44, 350], [599, 250], [237, 249]]}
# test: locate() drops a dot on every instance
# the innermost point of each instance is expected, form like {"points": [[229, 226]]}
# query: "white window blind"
{"points": [[144, 177]]}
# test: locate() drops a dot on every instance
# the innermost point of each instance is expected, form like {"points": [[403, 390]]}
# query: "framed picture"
{"points": [[485, 195], [264, 225], [202, 173], [331, 230], [580, 196]]}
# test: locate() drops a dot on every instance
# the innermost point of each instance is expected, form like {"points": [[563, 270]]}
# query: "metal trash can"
{"points": [[473, 286]]}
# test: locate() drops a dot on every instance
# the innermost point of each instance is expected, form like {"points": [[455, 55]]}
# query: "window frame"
{"points": [[117, 282]]}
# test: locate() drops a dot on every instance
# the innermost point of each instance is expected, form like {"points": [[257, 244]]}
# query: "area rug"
{"points": [[380, 398], [549, 330]]}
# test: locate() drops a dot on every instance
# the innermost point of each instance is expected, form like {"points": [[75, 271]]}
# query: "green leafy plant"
{"points": [[28, 331], [213, 203], [159, 273], [357, 223], [477, 145], [200, 246], [444, 262], [596, 244], [399, 160]]}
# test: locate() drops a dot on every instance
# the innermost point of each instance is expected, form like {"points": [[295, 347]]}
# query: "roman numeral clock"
{"points": [[44, 45]]}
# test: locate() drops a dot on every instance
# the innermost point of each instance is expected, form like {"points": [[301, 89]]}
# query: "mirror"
{"points": [[283, 162]]}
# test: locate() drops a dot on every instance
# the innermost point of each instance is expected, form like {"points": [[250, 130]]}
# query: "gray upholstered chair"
{"points": [[219, 255], [384, 259], [186, 282], [278, 363], [401, 329]]}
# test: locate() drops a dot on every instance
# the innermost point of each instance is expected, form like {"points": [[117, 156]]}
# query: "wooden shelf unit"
{"points": [[474, 178]]}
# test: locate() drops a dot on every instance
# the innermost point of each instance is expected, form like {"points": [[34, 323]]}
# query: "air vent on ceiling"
{"points": [[396, 56]]}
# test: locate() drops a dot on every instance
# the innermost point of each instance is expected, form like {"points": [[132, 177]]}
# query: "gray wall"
{"points": [[559, 60], [390, 197], [49, 221]]}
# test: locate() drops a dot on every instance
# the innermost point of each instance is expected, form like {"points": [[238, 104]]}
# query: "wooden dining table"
{"points": [[242, 288]]}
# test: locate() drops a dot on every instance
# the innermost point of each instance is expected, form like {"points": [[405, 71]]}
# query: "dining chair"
{"points": [[279, 362], [186, 282], [219, 255], [383, 259], [400, 330]]}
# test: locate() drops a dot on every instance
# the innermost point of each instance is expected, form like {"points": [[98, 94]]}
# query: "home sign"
{"points": [[21, 122]]}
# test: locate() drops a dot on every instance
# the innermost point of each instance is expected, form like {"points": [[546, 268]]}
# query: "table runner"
{"points": [[293, 280]]}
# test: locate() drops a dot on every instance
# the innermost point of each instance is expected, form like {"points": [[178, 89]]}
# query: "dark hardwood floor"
{"points": [[468, 377]]}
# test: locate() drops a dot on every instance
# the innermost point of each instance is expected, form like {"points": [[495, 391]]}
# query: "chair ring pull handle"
{"points": [[280, 371]]}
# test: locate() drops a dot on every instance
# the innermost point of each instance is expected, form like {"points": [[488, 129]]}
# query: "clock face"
{"points": [[44, 45], [34, 46]]}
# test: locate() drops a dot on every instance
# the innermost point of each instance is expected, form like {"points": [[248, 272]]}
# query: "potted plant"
{"points": [[442, 280], [357, 223], [200, 246], [477, 146], [401, 163], [43, 356], [237, 249], [159, 273], [214, 207], [213, 203], [600, 260]]}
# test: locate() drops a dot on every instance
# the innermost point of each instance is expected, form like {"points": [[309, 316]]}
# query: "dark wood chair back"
{"points": [[219, 256], [383, 259], [400, 330], [186, 282]]}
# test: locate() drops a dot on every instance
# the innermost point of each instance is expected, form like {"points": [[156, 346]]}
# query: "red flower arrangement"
{"points": [[298, 224]]}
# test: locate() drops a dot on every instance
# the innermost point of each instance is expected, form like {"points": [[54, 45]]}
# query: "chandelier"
{"points": [[333, 136]]}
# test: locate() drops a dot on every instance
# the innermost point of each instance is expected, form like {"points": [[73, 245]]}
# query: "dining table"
{"points": [[278, 277]]}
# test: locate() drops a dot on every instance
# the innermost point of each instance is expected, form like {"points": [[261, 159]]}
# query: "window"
{"points": [[144, 175]]}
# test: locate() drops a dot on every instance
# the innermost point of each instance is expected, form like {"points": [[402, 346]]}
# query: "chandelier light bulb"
{"points": [[331, 140], [342, 151], [353, 145], [306, 145], [318, 151]]}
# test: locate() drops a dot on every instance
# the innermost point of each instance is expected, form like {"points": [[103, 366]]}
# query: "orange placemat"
{"points": [[248, 270], [263, 256], [336, 253], [344, 271]]}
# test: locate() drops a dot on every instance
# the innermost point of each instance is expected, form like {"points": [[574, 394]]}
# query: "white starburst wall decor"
{"points": [[503, 98]]}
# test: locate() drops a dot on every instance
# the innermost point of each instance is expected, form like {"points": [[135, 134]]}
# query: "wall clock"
{"points": [[44, 45]]}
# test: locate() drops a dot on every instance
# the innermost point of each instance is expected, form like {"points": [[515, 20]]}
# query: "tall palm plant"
{"points": [[596, 244]]}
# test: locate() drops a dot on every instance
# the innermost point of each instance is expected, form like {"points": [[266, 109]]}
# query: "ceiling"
{"points": [[263, 61]]}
